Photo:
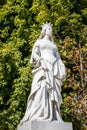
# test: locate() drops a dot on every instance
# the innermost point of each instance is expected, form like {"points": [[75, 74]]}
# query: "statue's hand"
{"points": [[63, 78], [43, 64]]}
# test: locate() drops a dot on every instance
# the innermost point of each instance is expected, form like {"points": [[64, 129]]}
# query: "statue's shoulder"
{"points": [[37, 43]]}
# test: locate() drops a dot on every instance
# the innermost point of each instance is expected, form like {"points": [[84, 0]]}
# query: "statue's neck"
{"points": [[46, 37]]}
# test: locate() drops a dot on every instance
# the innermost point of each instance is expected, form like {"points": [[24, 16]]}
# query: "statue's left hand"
{"points": [[43, 65]]}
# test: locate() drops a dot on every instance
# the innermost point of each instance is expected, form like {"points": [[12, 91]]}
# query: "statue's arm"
{"points": [[39, 60], [37, 54], [35, 58], [61, 64], [56, 53]]}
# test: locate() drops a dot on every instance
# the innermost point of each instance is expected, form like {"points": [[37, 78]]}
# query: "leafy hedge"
{"points": [[20, 26]]}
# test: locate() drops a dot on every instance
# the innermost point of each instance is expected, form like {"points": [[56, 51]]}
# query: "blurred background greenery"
{"points": [[20, 26]]}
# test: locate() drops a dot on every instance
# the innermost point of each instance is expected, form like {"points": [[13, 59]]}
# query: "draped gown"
{"points": [[48, 74]]}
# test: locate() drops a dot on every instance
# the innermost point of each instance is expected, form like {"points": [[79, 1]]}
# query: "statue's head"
{"points": [[46, 25], [46, 29]]}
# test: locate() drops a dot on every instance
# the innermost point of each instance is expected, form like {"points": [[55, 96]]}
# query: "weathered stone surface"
{"points": [[45, 125], [49, 72]]}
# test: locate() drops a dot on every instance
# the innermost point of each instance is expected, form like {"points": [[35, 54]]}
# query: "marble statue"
{"points": [[48, 75]]}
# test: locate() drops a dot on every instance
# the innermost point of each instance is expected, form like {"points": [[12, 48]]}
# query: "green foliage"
{"points": [[20, 26]]}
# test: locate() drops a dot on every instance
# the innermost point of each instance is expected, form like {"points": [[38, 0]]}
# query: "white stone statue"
{"points": [[49, 72]]}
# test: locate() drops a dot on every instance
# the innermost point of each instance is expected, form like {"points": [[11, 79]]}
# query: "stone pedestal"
{"points": [[45, 125]]}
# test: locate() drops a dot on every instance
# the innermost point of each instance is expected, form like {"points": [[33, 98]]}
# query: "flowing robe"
{"points": [[45, 98]]}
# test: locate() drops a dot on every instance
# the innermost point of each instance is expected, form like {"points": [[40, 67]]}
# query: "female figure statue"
{"points": [[49, 72]]}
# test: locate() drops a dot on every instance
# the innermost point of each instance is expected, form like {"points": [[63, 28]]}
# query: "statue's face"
{"points": [[49, 31]]}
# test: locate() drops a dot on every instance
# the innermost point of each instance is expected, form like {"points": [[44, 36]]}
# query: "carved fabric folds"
{"points": [[45, 98]]}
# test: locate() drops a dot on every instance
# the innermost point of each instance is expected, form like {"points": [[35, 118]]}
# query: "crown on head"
{"points": [[46, 25]]}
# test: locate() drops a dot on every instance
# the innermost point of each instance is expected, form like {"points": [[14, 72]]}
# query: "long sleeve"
{"points": [[35, 56], [61, 66], [56, 53]]}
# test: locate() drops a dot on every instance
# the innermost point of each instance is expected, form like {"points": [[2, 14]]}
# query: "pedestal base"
{"points": [[45, 125]]}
